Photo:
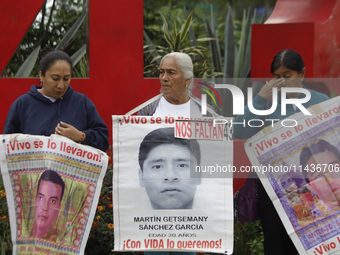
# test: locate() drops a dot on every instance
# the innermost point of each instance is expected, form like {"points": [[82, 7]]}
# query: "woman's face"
{"points": [[292, 78], [56, 80], [171, 78]]}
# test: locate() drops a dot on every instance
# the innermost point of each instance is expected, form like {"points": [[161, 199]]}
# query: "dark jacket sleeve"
{"points": [[12, 124], [97, 134]]}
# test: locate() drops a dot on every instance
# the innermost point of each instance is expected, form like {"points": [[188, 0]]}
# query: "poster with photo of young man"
{"points": [[299, 166], [172, 189], [52, 190]]}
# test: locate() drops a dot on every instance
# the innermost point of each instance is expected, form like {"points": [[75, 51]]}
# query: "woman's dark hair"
{"points": [[49, 56], [289, 59]]}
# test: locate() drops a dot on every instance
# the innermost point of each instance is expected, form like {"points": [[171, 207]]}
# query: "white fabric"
{"points": [[50, 98], [165, 108]]}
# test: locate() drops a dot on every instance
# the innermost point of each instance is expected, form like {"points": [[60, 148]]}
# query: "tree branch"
{"points": [[47, 25]]}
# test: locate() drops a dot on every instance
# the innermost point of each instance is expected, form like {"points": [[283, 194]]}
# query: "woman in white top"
{"points": [[176, 77]]}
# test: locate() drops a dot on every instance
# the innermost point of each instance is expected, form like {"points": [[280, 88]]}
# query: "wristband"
{"points": [[82, 137]]}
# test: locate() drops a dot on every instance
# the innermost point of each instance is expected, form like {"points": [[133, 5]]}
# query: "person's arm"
{"points": [[12, 124], [143, 111], [96, 133], [150, 108]]}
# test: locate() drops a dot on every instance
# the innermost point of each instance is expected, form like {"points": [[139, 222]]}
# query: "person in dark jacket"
{"points": [[55, 108]]}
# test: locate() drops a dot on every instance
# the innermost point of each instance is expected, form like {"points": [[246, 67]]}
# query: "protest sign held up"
{"points": [[52, 187], [299, 167], [162, 201]]}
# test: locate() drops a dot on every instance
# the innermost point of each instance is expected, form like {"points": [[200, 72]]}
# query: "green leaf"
{"points": [[27, 67], [196, 52], [78, 55], [148, 40], [169, 41], [161, 48], [165, 27], [206, 39], [186, 26], [175, 28], [166, 32], [152, 53], [242, 47], [71, 32], [246, 61], [155, 28], [192, 36], [177, 43], [229, 46], [214, 74], [213, 28], [214, 50], [155, 59]]}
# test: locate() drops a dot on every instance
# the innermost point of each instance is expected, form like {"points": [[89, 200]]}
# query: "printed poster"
{"points": [[52, 189], [299, 167], [172, 189]]}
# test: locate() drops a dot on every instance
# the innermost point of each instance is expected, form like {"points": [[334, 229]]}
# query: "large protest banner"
{"points": [[172, 193], [298, 162], [52, 189]]}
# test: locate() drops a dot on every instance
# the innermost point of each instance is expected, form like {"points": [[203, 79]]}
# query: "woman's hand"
{"points": [[69, 131], [267, 90]]}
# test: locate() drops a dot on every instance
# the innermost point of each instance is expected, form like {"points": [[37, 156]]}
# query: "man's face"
{"points": [[325, 184], [166, 177], [47, 205]]}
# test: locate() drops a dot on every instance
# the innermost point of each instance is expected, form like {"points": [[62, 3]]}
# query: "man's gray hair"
{"points": [[184, 63]]}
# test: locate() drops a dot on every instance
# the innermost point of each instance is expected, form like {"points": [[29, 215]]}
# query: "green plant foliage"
{"points": [[5, 231], [52, 23], [26, 68], [248, 238], [236, 60], [101, 235], [80, 72], [176, 41]]}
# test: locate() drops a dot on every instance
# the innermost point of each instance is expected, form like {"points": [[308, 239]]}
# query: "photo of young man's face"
{"points": [[166, 177], [47, 203], [326, 184]]}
